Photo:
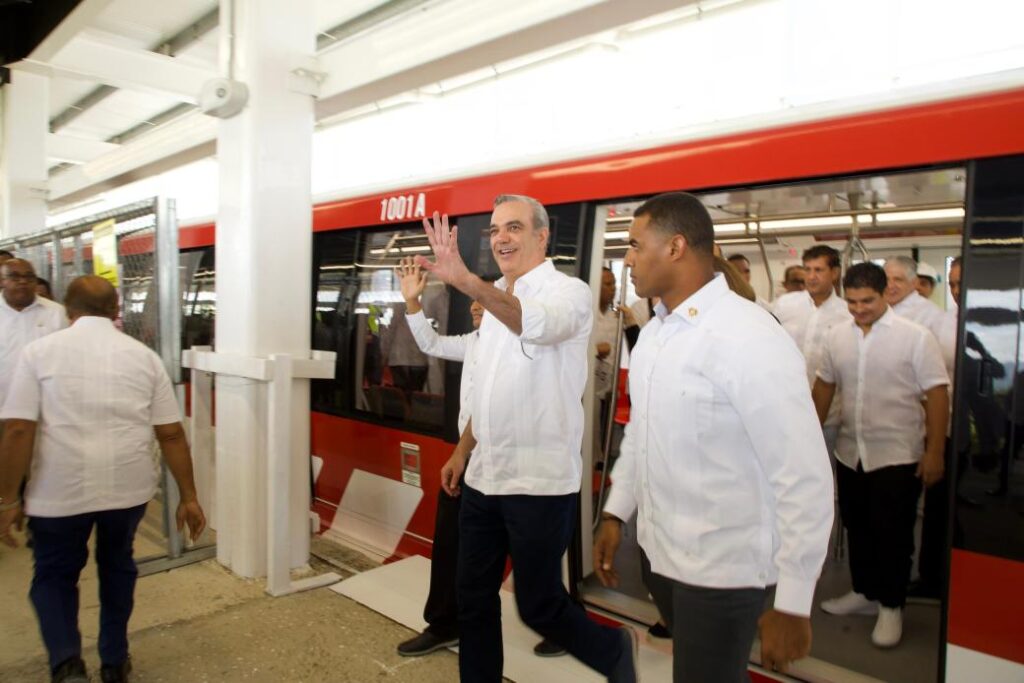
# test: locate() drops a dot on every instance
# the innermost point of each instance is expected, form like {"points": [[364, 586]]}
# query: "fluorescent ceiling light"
{"points": [[616, 235], [399, 249], [926, 215], [732, 227], [813, 222], [742, 240]]}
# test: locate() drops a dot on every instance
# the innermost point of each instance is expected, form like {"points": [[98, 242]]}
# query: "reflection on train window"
{"points": [[393, 378], [360, 315], [198, 299]]}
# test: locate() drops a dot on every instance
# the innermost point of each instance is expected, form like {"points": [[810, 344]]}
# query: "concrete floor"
{"points": [[201, 623]]}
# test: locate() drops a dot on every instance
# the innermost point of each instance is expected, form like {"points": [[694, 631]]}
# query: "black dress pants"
{"points": [[442, 609], [879, 509]]}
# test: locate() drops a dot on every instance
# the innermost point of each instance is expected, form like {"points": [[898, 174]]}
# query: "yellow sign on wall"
{"points": [[104, 251]]}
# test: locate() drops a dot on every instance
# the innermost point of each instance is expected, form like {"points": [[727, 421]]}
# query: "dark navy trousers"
{"points": [[61, 550], [535, 531]]}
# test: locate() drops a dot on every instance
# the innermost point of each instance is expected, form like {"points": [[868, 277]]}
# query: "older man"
{"points": [[522, 482], [82, 411], [723, 461], [906, 302]]}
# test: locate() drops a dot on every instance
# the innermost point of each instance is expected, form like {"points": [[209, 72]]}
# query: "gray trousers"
{"points": [[712, 629]]}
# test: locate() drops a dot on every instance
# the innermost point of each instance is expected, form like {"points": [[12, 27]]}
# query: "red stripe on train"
{"points": [[986, 605]]}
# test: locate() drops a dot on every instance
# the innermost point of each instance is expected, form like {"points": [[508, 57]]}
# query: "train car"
{"points": [[930, 181]]}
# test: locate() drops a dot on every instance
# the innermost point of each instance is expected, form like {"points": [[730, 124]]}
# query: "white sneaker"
{"points": [[851, 603], [888, 628]]}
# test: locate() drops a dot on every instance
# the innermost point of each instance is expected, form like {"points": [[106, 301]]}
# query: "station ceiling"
{"points": [[125, 74]]}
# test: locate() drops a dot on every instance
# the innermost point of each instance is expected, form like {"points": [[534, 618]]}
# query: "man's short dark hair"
{"points": [[790, 269], [680, 213], [957, 261], [866, 276], [822, 251], [737, 257], [4, 252]]}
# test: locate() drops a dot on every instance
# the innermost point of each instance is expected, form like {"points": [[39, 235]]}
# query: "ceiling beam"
{"points": [[66, 148], [92, 58], [79, 19]]}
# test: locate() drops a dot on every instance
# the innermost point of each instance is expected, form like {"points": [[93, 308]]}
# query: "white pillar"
{"points": [[23, 172], [264, 259]]}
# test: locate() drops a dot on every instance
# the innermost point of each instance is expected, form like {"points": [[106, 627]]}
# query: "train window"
{"points": [[563, 243], [360, 314], [198, 297]]}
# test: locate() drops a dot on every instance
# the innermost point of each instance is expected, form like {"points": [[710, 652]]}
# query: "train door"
{"points": [[918, 214], [984, 625]]}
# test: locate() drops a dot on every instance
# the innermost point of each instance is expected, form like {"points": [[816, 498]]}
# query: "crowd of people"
{"points": [[750, 424]]}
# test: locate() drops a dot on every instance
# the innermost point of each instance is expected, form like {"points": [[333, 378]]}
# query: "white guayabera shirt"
{"points": [[96, 395], [527, 390], [723, 459], [459, 347], [38, 319]]}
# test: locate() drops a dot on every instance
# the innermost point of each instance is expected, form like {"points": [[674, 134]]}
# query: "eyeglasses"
{"points": [[20, 277]]}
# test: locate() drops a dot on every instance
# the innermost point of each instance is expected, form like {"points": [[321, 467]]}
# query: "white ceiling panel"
{"points": [[147, 22], [331, 13], [66, 91], [117, 113]]}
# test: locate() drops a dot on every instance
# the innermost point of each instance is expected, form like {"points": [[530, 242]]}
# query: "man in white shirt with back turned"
{"points": [[808, 316], [525, 433], [883, 366], [723, 461], [83, 408]]}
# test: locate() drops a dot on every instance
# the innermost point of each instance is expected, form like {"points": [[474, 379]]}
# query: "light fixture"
{"points": [[616, 235], [813, 222], [398, 250], [925, 215]]}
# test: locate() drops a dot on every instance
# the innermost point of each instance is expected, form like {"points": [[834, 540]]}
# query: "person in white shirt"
{"points": [[902, 295], [808, 316], [723, 461], [883, 365], [24, 316], [525, 433], [82, 411]]}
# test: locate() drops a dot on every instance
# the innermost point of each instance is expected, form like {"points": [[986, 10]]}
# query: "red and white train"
{"points": [[379, 443]]}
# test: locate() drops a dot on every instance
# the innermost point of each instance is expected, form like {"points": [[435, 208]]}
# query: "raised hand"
{"points": [[447, 265], [413, 281]]}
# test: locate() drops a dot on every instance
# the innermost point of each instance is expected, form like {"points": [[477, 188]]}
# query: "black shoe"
{"points": [[547, 648], [116, 674], [659, 630], [627, 669], [70, 671], [424, 644]]}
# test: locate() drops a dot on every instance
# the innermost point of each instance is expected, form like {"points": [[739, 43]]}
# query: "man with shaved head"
{"points": [[83, 408]]}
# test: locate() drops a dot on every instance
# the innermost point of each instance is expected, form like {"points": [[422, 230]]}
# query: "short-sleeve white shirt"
{"points": [[923, 312], [458, 347], [19, 328], [528, 389], [808, 325], [95, 394], [882, 377]]}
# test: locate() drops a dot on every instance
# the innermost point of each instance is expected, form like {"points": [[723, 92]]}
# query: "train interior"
{"points": [[916, 213]]}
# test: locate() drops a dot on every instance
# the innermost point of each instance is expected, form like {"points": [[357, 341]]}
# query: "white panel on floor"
{"points": [[969, 666], [375, 511], [399, 590]]}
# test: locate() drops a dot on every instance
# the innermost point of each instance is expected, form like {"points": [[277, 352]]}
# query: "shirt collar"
{"points": [[531, 280], [93, 321], [696, 307], [885, 321]]}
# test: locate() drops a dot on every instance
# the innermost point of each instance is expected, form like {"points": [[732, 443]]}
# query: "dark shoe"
{"points": [[424, 644], [627, 669], [116, 674], [70, 671], [659, 630], [546, 648]]}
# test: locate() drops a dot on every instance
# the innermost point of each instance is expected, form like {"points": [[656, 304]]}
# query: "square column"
{"points": [[264, 259], [23, 171]]}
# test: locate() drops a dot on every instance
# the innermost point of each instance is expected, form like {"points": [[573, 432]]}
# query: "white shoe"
{"points": [[851, 603], [888, 628]]}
